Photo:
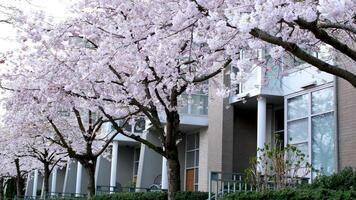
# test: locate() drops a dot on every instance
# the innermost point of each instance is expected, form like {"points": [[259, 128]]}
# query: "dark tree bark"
{"points": [[1, 188], [172, 133], [90, 170], [173, 176], [18, 179], [46, 175]]}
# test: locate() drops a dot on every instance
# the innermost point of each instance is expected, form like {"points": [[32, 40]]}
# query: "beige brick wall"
{"points": [[216, 141], [346, 123]]}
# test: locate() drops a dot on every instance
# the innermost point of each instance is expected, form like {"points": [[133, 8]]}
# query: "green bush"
{"points": [[343, 180], [192, 196], [293, 194], [152, 196]]}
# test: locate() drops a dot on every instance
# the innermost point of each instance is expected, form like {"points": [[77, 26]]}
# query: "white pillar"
{"points": [[54, 181], [164, 181], [78, 184], [113, 173], [261, 122], [35, 183]]}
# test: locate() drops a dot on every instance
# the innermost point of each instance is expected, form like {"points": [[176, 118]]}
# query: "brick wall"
{"points": [[346, 123]]}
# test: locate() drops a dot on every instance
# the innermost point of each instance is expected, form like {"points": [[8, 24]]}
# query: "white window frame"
{"points": [[309, 117]]}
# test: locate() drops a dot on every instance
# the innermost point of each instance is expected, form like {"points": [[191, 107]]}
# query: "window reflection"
{"points": [[322, 101], [313, 124], [297, 107], [297, 131], [323, 143]]}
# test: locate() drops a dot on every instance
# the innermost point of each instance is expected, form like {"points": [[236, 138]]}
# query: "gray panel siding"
{"points": [[245, 138]]}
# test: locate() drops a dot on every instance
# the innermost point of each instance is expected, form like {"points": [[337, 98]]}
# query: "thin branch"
{"points": [[337, 26], [208, 76], [326, 38], [134, 137], [80, 122], [301, 54]]}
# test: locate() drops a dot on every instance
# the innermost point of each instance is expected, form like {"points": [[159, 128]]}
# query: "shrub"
{"points": [[293, 194], [343, 180], [192, 196], [152, 196], [271, 166]]}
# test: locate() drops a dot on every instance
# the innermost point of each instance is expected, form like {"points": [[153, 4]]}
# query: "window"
{"points": [[234, 75], [310, 124], [192, 162], [194, 104], [278, 128], [136, 162], [138, 127]]}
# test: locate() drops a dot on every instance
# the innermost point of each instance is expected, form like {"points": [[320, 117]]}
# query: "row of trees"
{"points": [[116, 60]]}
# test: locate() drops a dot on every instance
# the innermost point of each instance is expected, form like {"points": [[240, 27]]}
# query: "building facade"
{"points": [[306, 108]]}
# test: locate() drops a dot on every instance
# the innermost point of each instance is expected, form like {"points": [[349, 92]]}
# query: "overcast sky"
{"points": [[56, 8]]}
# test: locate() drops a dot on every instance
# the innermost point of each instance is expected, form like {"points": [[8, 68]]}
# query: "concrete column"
{"points": [[35, 183], [164, 181], [261, 122], [54, 181], [113, 174], [27, 192], [78, 184]]}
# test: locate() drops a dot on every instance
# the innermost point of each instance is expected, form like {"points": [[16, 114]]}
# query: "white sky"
{"points": [[56, 8]]}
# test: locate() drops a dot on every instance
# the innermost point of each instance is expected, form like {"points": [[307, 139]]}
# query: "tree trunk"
{"points": [[46, 179], [18, 179], [173, 177], [90, 169], [1, 188], [171, 150]]}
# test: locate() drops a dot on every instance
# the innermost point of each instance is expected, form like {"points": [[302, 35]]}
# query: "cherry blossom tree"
{"points": [[5, 172], [15, 163], [30, 142], [52, 129], [139, 57], [122, 55]]}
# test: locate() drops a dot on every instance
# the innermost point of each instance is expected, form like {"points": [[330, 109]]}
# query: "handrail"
{"points": [[221, 183]]}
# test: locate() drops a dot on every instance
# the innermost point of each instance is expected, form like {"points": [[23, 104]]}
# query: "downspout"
{"points": [[337, 129]]}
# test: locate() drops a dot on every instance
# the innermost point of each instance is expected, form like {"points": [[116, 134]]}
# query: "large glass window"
{"points": [[192, 162], [311, 127]]}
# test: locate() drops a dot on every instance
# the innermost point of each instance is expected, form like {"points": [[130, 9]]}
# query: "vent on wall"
{"points": [[308, 85]]}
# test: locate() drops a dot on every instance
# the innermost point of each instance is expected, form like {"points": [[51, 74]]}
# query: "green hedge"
{"points": [[152, 196], [293, 194], [343, 180]]}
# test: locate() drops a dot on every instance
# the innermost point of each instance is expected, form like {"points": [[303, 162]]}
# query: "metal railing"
{"points": [[224, 183], [221, 183], [55, 195]]}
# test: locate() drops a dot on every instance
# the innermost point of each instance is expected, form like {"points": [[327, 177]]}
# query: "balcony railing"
{"points": [[259, 81]]}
